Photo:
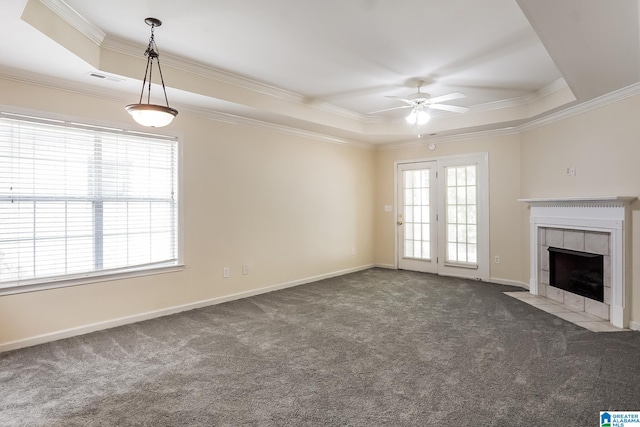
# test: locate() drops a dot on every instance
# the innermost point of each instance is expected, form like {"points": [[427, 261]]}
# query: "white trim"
{"points": [[424, 142], [482, 160], [55, 283], [606, 215], [96, 35], [9, 73], [508, 282], [206, 113], [107, 324], [410, 263], [575, 110], [634, 326], [77, 21], [254, 123], [387, 266], [528, 99], [552, 87], [129, 127], [46, 283], [192, 67], [603, 201]]}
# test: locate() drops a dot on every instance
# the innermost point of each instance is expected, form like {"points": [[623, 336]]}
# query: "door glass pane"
{"points": [[417, 220], [462, 189]]}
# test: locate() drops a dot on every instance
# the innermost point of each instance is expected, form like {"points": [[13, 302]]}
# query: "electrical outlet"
{"points": [[496, 259], [245, 270], [226, 273]]}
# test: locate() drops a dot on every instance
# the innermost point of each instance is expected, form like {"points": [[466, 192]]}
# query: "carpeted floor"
{"points": [[377, 347]]}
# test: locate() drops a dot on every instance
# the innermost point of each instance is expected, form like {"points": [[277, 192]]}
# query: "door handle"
{"points": [[399, 223]]}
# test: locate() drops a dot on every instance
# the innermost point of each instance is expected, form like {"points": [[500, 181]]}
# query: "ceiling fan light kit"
{"points": [[152, 115], [420, 104], [418, 116]]}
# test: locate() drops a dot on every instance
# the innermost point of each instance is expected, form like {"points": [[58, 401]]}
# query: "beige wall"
{"points": [[504, 190], [291, 208]]}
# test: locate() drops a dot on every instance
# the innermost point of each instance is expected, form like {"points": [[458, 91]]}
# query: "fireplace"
{"points": [[577, 272], [593, 232]]}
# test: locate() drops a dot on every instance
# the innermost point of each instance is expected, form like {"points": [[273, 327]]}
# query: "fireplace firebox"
{"points": [[578, 272]]}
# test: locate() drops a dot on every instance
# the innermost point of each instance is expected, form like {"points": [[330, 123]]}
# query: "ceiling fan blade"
{"points": [[448, 97], [452, 108], [389, 109], [408, 101]]}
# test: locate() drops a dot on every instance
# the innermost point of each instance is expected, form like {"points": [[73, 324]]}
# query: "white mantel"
{"points": [[610, 215], [608, 201]]}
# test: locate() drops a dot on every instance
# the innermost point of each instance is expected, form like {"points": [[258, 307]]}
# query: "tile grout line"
{"points": [[584, 320]]}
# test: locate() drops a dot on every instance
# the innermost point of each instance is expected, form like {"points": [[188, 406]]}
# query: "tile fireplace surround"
{"points": [[597, 225]]}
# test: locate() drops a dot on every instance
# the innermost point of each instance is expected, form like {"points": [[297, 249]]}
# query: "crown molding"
{"points": [[77, 21], [575, 110], [528, 99], [565, 113], [511, 130], [552, 87], [95, 34], [87, 89], [210, 114], [132, 49]]}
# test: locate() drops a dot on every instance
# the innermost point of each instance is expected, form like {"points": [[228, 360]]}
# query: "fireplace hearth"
{"points": [[600, 226]]}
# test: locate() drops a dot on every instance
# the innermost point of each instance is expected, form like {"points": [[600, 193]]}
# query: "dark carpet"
{"points": [[373, 348]]}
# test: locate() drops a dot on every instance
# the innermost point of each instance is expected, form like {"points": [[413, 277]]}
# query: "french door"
{"points": [[417, 233], [443, 216]]}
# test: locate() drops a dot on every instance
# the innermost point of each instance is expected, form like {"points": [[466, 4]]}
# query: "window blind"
{"points": [[78, 200]]}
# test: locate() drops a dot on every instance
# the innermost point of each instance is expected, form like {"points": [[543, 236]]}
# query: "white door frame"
{"points": [[482, 162], [417, 264]]}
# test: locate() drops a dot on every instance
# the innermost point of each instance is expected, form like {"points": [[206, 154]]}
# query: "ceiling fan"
{"points": [[421, 102]]}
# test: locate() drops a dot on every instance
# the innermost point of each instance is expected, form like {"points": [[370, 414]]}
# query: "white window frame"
{"points": [[481, 269], [43, 283]]}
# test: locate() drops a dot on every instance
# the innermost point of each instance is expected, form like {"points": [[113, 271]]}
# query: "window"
{"points": [[417, 217], [78, 201], [462, 214]]}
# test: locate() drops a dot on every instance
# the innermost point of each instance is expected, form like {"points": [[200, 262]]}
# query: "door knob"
{"points": [[399, 222]]}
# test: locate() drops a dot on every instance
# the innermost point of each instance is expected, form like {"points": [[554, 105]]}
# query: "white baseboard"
{"points": [[634, 326], [387, 266], [93, 327], [509, 282]]}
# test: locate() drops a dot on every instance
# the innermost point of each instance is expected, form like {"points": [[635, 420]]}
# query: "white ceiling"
{"points": [[323, 66]]}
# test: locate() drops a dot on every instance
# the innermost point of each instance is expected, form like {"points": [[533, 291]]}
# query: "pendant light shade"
{"points": [[418, 116], [152, 115]]}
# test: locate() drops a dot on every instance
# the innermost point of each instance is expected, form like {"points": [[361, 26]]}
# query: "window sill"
{"points": [[53, 283]]}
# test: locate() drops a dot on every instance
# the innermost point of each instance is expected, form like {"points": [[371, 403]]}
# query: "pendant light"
{"points": [[148, 114]]}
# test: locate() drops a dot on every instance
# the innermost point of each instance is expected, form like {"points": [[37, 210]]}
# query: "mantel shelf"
{"points": [[613, 201], [577, 216]]}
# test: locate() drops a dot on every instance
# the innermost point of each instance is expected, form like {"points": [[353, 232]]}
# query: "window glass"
{"points": [[77, 200]]}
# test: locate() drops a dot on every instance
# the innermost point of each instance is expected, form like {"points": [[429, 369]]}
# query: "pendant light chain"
{"points": [[149, 114]]}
